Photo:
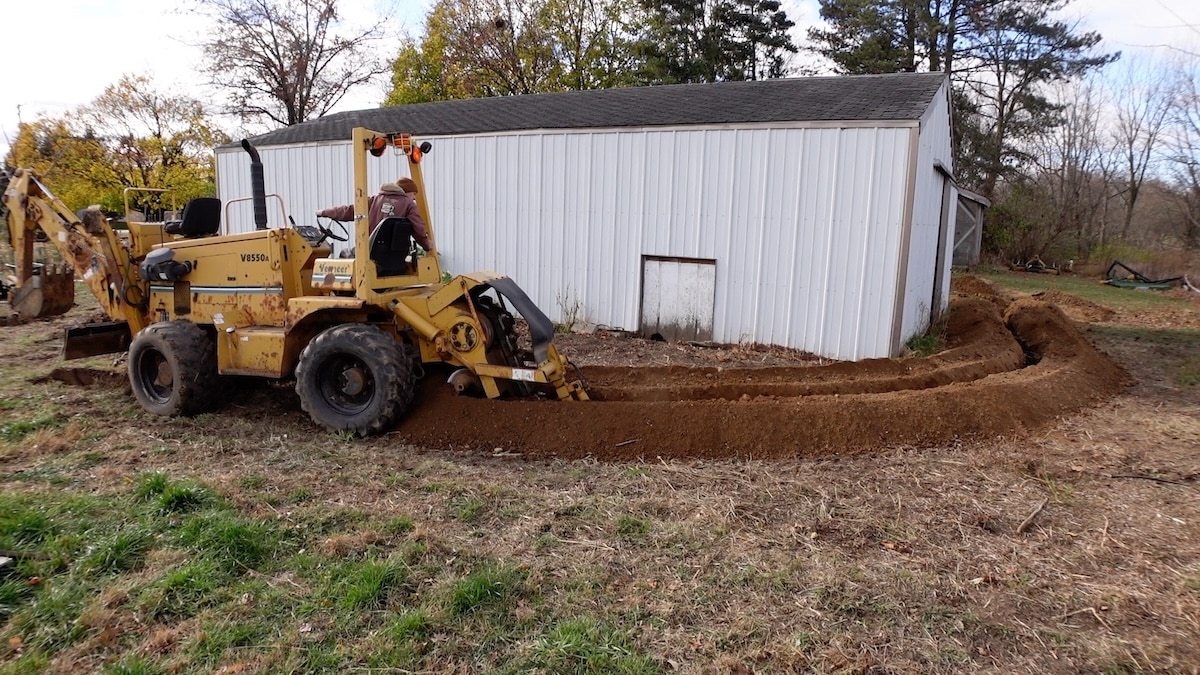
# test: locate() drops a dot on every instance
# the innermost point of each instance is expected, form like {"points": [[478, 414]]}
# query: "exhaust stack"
{"points": [[257, 185]]}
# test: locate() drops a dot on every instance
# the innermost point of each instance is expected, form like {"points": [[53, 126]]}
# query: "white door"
{"points": [[678, 297]]}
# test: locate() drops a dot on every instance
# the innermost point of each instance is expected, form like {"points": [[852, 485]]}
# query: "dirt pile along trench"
{"points": [[1080, 309], [980, 386]]}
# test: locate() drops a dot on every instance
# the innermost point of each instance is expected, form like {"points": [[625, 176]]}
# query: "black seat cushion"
{"points": [[201, 217], [391, 245]]}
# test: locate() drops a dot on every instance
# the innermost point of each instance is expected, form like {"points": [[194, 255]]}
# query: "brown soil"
{"points": [[1000, 376], [1076, 307], [1008, 367], [1073, 549]]}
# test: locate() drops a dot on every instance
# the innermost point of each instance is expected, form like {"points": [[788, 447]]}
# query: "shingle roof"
{"points": [[901, 96]]}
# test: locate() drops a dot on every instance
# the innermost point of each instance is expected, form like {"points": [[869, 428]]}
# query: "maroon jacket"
{"points": [[391, 202]]}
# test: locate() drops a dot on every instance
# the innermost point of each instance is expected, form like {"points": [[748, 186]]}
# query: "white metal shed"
{"points": [[813, 213]]}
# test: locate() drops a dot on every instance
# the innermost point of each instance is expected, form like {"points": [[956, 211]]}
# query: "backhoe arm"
{"points": [[92, 250]]}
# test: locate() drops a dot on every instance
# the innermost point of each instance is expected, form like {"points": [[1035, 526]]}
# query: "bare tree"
{"points": [[286, 60], [1073, 170], [1018, 50], [1184, 147], [1143, 101]]}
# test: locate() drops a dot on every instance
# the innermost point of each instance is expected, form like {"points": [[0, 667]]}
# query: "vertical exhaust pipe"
{"points": [[257, 185]]}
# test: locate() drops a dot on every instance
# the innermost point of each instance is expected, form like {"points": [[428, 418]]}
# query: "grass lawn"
{"points": [[1089, 288], [246, 541]]}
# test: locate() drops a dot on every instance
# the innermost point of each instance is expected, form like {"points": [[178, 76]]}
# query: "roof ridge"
{"points": [[885, 96]]}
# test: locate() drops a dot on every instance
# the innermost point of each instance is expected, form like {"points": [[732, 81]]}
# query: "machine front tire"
{"points": [[355, 378], [173, 368]]}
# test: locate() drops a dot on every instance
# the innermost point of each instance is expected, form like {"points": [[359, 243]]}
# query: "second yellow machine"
{"points": [[191, 305]]}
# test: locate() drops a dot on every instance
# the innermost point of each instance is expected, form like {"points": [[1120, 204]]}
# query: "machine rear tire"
{"points": [[356, 378], [173, 368]]}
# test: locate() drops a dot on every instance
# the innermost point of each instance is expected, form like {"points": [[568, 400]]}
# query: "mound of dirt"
{"points": [[85, 377], [1000, 377], [979, 346], [972, 285], [1077, 308]]}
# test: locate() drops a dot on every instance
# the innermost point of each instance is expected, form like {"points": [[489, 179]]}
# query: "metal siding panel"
{"points": [[827, 225], [876, 312], [857, 263], [878, 308], [804, 223], [791, 301], [663, 174], [772, 273], [720, 189], [815, 217], [753, 198], [934, 145], [841, 165], [602, 213], [923, 247], [736, 296], [627, 228]]}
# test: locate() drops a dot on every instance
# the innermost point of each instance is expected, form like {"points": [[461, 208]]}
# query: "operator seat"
{"points": [[201, 218], [391, 245]]}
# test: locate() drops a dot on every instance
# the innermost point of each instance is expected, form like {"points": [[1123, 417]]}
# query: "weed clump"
{"points": [[585, 645], [367, 584], [489, 586]]}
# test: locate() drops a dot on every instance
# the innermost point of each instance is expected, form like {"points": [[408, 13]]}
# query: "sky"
{"points": [[60, 54]]}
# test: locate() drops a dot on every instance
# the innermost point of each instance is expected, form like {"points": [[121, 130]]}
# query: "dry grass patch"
{"points": [[384, 556]]}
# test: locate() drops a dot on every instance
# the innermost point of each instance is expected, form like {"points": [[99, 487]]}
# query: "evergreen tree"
{"points": [[714, 40], [1000, 55]]}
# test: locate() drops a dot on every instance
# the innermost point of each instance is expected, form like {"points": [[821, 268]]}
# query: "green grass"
{"points": [[1174, 352], [50, 621], [133, 665], [367, 584], [22, 525], [632, 529], [1189, 372], [181, 498], [252, 481], [120, 552], [150, 485], [399, 525], [183, 591], [299, 495], [221, 636], [1089, 288], [467, 509], [927, 344], [231, 541], [234, 584], [15, 431], [488, 586], [587, 646], [409, 627]]}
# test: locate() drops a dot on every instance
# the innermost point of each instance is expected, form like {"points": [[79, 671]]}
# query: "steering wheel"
{"points": [[327, 232]]}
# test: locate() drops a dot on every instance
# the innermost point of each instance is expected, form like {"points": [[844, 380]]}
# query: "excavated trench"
{"points": [[1008, 368]]}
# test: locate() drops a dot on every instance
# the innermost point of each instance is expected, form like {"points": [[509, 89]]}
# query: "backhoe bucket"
{"points": [[49, 292]]}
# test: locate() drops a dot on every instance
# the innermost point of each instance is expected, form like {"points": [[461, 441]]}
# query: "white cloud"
{"points": [[62, 53], [1146, 24]]}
